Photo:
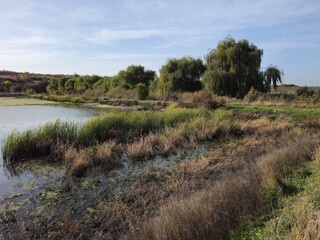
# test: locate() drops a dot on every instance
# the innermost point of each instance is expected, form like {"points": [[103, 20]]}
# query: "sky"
{"points": [[105, 36]]}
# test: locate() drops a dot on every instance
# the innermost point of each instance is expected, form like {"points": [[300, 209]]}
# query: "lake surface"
{"points": [[21, 118]]}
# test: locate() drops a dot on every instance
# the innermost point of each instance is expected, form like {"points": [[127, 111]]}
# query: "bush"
{"points": [[253, 95], [141, 91], [201, 99], [305, 91]]}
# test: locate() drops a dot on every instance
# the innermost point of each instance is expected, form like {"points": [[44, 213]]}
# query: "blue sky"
{"points": [[105, 36]]}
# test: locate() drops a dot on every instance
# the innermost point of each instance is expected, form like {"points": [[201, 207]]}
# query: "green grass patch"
{"points": [[297, 113], [285, 207], [121, 126], [9, 101]]}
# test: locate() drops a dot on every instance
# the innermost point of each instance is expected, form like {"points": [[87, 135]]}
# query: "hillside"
{"points": [[11, 81]]}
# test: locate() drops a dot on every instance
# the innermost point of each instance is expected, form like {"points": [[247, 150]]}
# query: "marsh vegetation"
{"points": [[140, 174], [208, 150]]}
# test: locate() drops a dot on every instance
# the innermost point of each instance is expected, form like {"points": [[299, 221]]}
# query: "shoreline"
{"points": [[23, 101]]}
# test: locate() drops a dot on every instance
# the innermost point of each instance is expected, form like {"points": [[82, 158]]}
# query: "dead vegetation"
{"points": [[213, 212]]}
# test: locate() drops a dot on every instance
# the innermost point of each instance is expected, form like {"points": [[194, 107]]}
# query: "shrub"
{"points": [[305, 91], [141, 91]]}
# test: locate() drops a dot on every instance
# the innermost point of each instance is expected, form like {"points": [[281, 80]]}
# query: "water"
{"points": [[43, 191], [21, 118]]}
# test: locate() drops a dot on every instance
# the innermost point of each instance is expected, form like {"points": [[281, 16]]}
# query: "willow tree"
{"points": [[233, 68], [182, 74]]}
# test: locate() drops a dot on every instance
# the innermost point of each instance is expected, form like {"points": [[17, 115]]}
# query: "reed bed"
{"points": [[120, 126], [39, 141]]}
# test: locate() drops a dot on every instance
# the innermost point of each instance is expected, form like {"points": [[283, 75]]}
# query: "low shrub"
{"points": [[141, 91]]}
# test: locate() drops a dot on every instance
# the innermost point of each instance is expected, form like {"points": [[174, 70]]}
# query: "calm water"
{"points": [[21, 118]]}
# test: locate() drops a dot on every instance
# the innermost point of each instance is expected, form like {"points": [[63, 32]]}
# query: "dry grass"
{"points": [[213, 212], [82, 161], [106, 156], [280, 162], [299, 218], [201, 99], [145, 147]]}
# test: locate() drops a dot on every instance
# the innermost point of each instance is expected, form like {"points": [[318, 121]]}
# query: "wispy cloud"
{"points": [[108, 36], [78, 35]]}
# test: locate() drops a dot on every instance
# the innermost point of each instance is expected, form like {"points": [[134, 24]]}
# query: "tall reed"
{"points": [[121, 126], [39, 141]]}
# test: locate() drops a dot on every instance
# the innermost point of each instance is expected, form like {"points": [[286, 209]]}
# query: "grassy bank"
{"points": [[296, 113], [17, 101], [294, 213], [119, 126], [213, 212]]}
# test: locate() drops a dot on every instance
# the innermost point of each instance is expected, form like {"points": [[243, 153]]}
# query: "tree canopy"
{"points": [[233, 68], [273, 75], [182, 74], [133, 75]]}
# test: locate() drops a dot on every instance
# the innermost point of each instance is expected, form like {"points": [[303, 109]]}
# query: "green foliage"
{"points": [[38, 141], [272, 75], [121, 126], [133, 75], [72, 84], [7, 83], [30, 91], [142, 91], [233, 68], [182, 74]]}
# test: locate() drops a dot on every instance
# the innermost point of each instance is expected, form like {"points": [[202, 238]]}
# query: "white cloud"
{"points": [[31, 40], [108, 36]]}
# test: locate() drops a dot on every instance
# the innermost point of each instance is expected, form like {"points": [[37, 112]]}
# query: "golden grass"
{"points": [[213, 212]]}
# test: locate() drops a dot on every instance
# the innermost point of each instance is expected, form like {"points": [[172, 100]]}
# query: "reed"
{"points": [[39, 141], [120, 126]]}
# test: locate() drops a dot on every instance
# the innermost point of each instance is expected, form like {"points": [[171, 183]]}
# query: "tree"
{"points": [[233, 68], [53, 85], [142, 91], [133, 75], [69, 85], [182, 74], [272, 75], [7, 85]]}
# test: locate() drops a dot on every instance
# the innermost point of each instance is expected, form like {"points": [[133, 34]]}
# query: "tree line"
{"points": [[231, 69]]}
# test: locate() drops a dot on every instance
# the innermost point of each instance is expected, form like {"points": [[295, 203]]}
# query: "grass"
{"points": [[213, 212], [296, 215], [251, 174], [298, 113], [121, 126], [10, 101], [196, 199], [40, 141]]}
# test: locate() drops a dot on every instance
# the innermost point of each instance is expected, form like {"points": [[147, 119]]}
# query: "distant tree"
{"points": [[69, 85], [233, 68], [272, 75], [7, 85], [103, 85], [53, 85], [142, 91], [182, 74], [133, 75]]}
